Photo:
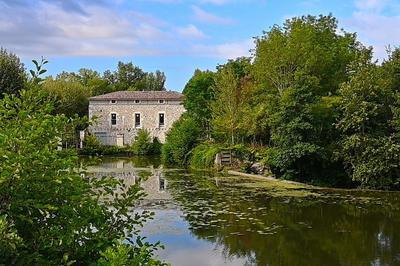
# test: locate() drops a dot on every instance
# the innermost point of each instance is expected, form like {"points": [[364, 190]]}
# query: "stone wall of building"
{"points": [[125, 131]]}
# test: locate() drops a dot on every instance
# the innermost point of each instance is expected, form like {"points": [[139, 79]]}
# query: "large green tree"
{"points": [[131, 77], [232, 90], [71, 96], [298, 69], [12, 73], [199, 93], [369, 123]]}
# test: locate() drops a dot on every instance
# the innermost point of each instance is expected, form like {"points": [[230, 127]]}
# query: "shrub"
{"points": [[181, 139], [142, 144], [203, 155], [91, 141], [157, 146]]}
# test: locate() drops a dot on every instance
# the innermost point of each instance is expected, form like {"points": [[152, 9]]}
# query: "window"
{"points": [[137, 101], [113, 119], [162, 183], [137, 119], [160, 101], [113, 101], [161, 119]]}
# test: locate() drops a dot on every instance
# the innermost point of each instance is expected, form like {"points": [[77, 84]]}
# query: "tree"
{"points": [[131, 77], [370, 144], [309, 44], [232, 90], [155, 81], [181, 139], [71, 96], [298, 69], [53, 212], [198, 95], [12, 73], [293, 134]]}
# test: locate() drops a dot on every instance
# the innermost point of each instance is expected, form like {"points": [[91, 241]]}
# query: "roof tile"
{"points": [[139, 95]]}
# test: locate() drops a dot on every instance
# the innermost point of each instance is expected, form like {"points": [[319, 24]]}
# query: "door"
{"points": [[120, 140]]}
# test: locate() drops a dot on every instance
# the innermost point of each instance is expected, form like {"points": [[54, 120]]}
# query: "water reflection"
{"points": [[205, 219]]}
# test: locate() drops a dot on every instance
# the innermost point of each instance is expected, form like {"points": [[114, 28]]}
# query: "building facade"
{"points": [[118, 116]]}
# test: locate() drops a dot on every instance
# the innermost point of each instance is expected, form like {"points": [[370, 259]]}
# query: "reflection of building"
{"points": [[120, 115], [156, 186], [152, 180]]}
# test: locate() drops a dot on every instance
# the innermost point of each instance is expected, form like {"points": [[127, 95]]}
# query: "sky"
{"points": [[174, 36]]}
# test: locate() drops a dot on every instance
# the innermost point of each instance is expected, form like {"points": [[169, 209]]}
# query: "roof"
{"points": [[139, 95]]}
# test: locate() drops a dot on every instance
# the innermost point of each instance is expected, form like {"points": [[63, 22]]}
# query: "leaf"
{"points": [[42, 71], [36, 63], [32, 73]]}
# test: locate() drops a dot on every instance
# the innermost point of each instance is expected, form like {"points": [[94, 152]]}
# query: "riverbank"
{"points": [[288, 183]]}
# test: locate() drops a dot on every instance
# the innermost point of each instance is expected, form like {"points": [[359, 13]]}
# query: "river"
{"points": [[214, 219]]}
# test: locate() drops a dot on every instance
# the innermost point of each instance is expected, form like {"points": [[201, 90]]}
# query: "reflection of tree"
{"points": [[281, 230]]}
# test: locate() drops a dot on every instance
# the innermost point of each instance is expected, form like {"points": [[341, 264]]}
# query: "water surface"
{"points": [[211, 219]]}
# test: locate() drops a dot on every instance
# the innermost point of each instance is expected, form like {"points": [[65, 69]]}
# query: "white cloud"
{"points": [[191, 31], [51, 29], [229, 50], [371, 5], [374, 24], [207, 17]]}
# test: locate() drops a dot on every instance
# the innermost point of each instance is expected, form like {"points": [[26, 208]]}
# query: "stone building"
{"points": [[118, 116]]}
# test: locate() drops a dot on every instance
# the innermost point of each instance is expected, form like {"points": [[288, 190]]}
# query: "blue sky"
{"points": [[174, 36]]}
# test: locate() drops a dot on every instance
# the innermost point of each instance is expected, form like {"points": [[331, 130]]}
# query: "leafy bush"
{"points": [[92, 146], [157, 146], [180, 140], [203, 155], [60, 214], [91, 141], [142, 144]]}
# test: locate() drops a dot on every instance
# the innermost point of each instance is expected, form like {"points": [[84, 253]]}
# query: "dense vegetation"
{"points": [[51, 211], [141, 145], [12, 73], [71, 90], [311, 100]]}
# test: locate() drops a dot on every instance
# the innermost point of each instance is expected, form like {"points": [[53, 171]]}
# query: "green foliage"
{"points": [[71, 96], [142, 144], [232, 91], [370, 145], [128, 255], [198, 94], [10, 242], [203, 155], [307, 44], [52, 212], [298, 69], [131, 77], [39, 70], [157, 146], [292, 131], [12, 73], [180, 140]]}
